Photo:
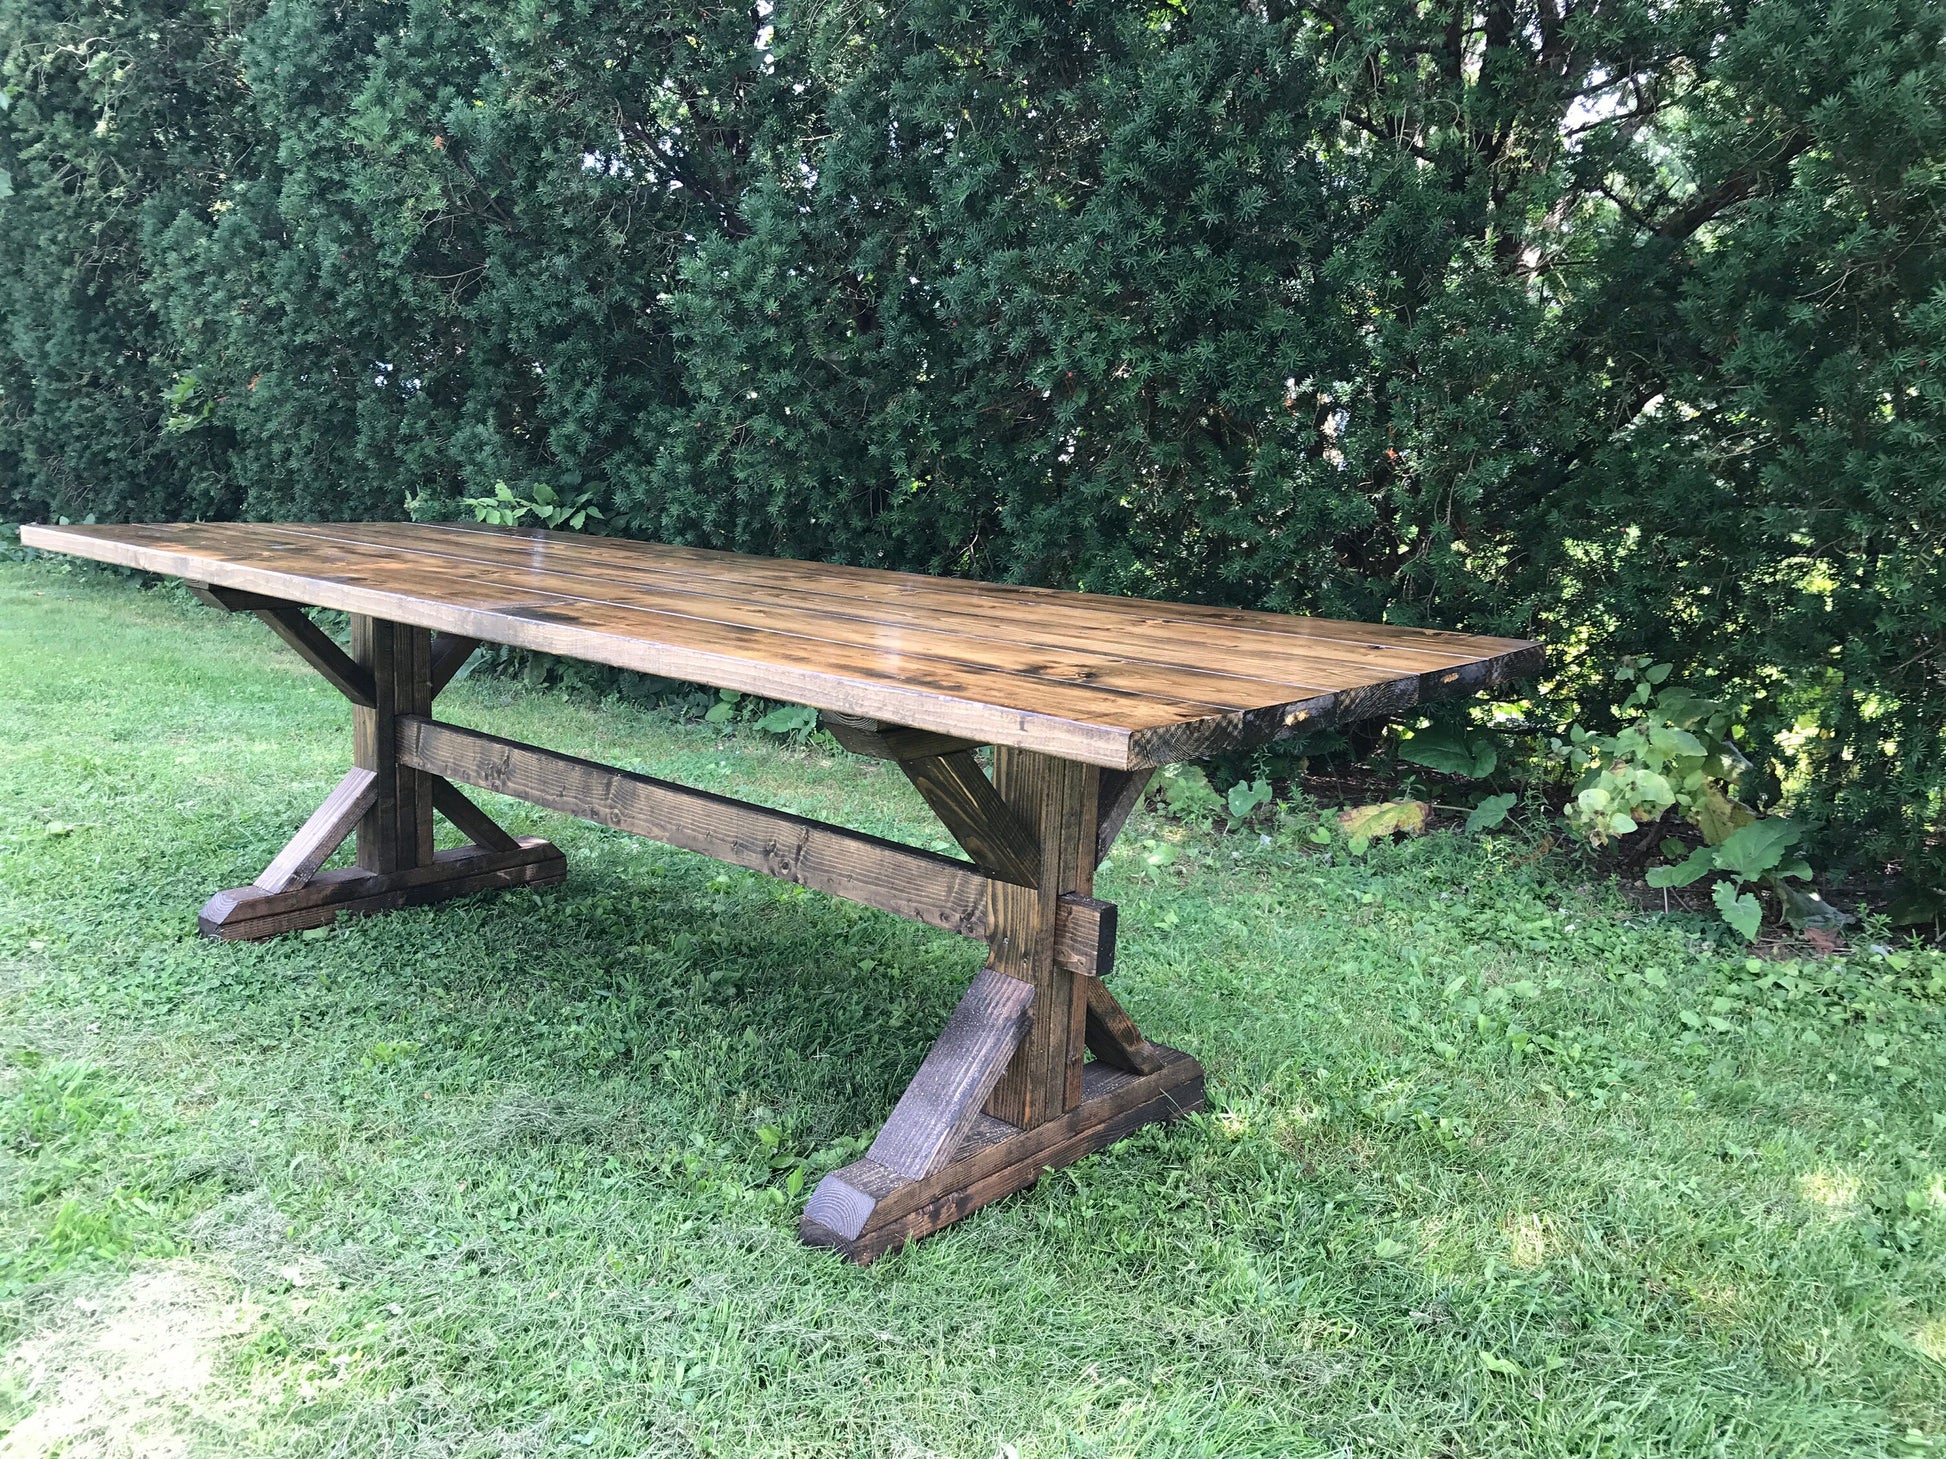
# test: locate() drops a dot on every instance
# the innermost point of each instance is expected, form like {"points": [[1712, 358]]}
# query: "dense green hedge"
{"points": [[1619, 324]]}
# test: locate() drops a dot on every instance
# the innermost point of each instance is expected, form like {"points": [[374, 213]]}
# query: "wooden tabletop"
{"points": [[1121, 682]]}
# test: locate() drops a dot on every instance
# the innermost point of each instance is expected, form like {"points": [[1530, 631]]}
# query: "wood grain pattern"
{"points": [[1121, 793], [396, 833], [1056, 800], [450, 651], [902, 880], [468, 819], [889, 741], [1112, 1036], [1111, 681], [865, 1209], [322, 834], [958, 1073], [966, 803], [250, 914]]}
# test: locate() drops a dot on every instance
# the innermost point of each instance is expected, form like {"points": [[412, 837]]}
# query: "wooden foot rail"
{"points": [[902, 880], [867, 1209]]}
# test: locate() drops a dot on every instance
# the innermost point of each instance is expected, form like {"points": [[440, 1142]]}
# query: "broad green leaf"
{"points": [[1245, 796], [1443, 751], [1653, 789], [1741, 912], [788, 720], [1751, 850], [1485, 758], [1490, 812], [1674, 742], [1692, 868], [1494, 1363]]}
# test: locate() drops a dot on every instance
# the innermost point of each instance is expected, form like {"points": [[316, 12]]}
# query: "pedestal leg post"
{"points": [[936, 1161], [396, 833], [1056, 800]]}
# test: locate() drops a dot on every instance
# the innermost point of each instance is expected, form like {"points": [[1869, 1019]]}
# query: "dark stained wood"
{"points": [[320, 650], [1128, 627], [322, 834], [396, 833], [1100, 654], [1055, 799], [895, 878], [468, 819], [450, 651], [1084, 938], [958, 1073], [1121, 793], [889, 741], [965, 801], [230, 600], [1113, 682], [1112, 1035], [865, 1209], [250, 914]]}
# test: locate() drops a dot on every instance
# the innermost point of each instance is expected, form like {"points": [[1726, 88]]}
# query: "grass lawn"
{"points": [[1494, 1163]]}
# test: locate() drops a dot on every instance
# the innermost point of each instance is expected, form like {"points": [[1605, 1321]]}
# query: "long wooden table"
{"points": [[1080, 697]]}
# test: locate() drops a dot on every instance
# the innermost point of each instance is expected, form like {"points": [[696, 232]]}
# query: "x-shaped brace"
{"points": [[357, 796]]}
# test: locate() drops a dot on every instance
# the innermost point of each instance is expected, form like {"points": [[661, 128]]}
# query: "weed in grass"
{"points": [[1495, 1163]]}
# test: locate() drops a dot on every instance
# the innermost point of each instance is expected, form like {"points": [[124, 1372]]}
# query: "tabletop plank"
{"points": [[1120, 682], [1280, 647]]}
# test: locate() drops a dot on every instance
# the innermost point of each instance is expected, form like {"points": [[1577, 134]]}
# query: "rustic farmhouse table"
{"points": [[1079, 696]]}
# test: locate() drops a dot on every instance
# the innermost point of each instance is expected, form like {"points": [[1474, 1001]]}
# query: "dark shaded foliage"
{"points": [[1615, 323]]}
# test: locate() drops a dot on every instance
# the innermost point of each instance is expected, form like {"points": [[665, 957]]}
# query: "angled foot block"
{"points": [[252, 914], [867, 1208]]}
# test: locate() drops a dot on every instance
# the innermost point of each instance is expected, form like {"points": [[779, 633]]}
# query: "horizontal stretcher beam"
{"points": [[874, 872]]}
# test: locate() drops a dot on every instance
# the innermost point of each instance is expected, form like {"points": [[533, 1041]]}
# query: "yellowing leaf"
{"points": [[1718, 817], [1370, 822]]}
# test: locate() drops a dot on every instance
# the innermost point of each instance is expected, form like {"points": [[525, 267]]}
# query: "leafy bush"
{"points": [[1615, 327]]}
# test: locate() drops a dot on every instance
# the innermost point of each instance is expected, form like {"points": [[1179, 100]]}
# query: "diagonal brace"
{"points": [[943, 770], [290, 623], [468, 819], [958, 1073], [322, 834]]}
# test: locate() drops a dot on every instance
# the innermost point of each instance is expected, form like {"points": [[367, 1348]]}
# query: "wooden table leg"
{"points": [[1022, 1032], [390, 807]]}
